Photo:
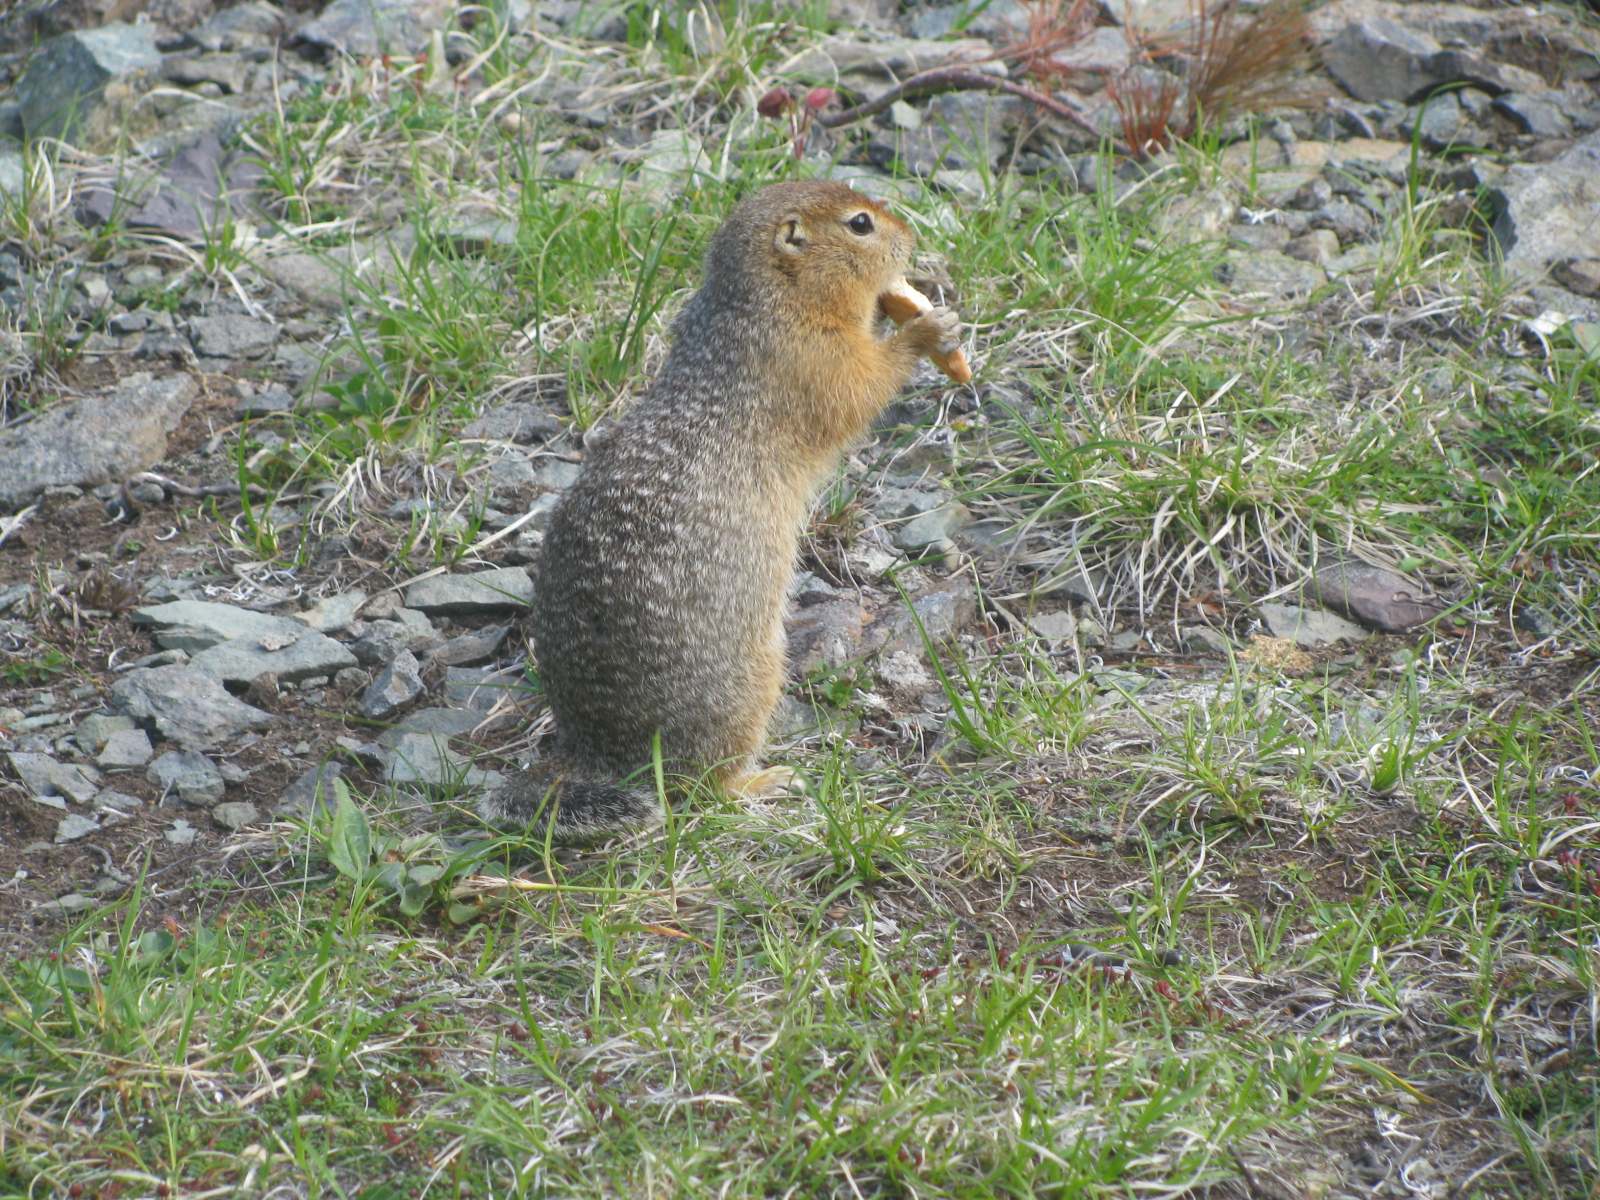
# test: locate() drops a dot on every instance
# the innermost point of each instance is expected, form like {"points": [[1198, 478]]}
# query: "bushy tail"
{"points": [[568, 803]]}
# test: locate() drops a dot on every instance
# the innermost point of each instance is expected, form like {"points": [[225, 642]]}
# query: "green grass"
{"points": [[1366, 892]]}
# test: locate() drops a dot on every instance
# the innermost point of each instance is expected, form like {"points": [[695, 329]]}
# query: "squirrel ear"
{"points": [[791, 239]]}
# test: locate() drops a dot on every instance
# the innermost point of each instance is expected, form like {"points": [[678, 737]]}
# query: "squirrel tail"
{"points": [[570, 804]]}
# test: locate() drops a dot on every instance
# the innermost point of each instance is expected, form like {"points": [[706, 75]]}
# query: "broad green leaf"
{"points": [[350, 842]]}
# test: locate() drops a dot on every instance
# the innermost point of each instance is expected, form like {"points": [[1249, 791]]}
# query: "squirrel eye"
{"points": [[861, 223]]}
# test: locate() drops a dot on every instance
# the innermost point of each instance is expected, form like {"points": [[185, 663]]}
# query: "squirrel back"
{"points": [[661, 583]]}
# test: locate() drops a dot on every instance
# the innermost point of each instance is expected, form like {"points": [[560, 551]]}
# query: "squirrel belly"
{"points": [[662, 580]]}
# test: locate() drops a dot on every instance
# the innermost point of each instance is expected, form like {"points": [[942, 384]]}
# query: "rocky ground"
{"points": [[279, 442]]}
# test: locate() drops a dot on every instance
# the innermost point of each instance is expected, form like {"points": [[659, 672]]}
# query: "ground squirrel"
{"points": [[660, 588]]}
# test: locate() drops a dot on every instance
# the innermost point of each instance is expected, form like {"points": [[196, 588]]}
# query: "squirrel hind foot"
{"points": [[770, 784], [570, 807]]}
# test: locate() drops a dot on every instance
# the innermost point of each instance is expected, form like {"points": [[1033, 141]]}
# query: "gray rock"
{"points": [[516, 422], [1308, 627], [380, 641], [481, 688], [1274, 277], [189, 198], [312, 791], [1054, 626], [471, 649], [1319, 246], [1379, 59], [236, 814], [1265, 236], [1202, 639], [186, 706], [1103, 48], [943, 613], [232, 336], [253, 26], [1545, 214], [290, 656], [906, 673], [43, 776], [74, 826], [555, 475], [896, 503], [1538, 115], [1376, 596], [69, 905], [369, 28], [933, 527], [332, 614], [181, 834], [442, 722], [893, 58], [95, 439], [824, 636], [196, 625], [487, 591], [424, 759], [125, 749], [110, 803], [96, 729], [227, 71], [269, 402], [331, 278], [193, 777], [62, 93], [397, 685], [1439, 121], [963, 130]]}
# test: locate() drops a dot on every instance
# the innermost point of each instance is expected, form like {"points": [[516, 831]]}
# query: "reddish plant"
{"points": [[1145, 101], [1053, 26], [802, 111]]}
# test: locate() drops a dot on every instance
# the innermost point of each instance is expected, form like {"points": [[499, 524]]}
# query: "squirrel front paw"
{"points": [[936, 331]]}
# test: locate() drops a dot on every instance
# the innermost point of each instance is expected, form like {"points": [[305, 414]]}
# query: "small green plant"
{"points": [[409, 867], [33, 672]]}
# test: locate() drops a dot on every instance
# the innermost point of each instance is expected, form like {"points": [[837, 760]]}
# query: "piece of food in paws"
{"points": [[902, 302]]}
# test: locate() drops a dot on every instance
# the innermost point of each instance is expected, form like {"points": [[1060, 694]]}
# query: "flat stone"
{"points": [[397, 685], [897, 503], [232, 336], [332, 278], [69, 905], [471, 649], [1054, 626], [555, 475], [253, 26], [1103, 48], [1273, 277], [124, 749], [1308, 627], [193, 777], [332, 614], [932, 527], [291, 656], [1202, 639], [95, 439], [1319, 246], [1439, 121], [824, 636], [189, 198], [227, 71], [181, 834], [1538, 115], [236, 814], [943, 613], [108, 801], [516, 422], [424, 759], [62, 92], [441, 722], [1545, 214], [893, 58], [487, 591], [481, 688], [978, 18], [74, 826], [186, 706], [1376, 596], [1379, 59], [43, 776], [906, 672], [370, 28], [312, 791]]}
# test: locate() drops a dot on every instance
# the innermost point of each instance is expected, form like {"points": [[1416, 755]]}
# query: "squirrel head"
{"points": [[820, 245]]}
